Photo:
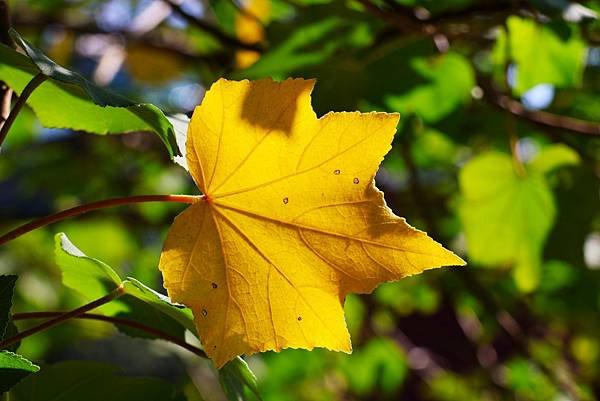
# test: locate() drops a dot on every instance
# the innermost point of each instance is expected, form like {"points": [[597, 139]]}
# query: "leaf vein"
{"points": [[267, 183], [271, 263], [315, 229]]}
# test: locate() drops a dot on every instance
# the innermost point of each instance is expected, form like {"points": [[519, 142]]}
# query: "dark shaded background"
{"points": [[519, 323]]}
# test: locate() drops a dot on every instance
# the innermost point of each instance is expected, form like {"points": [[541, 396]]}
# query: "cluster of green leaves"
{"points": [[521, 215], [138, 303], [68, 100], [13, 367]]}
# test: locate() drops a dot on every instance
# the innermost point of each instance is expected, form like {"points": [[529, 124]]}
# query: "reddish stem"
{"points": [[36, 81], [77, 210], [116, 293], [116, 320]]}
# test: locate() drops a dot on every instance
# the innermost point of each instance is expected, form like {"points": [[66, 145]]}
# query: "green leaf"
{"points": [[88, 276], [526, 381], [558, 274], [434, 149], [68, 100], [444, 82], [90, 381], [448, 386], [180, 124], [225, 12], [93, 234], [408, 296], [542, 53], [49, 68], [160, 303], [380, 365], [292, 54], [552, 157], [235, 376], [7, 286], [506, 216], [23, 131], [93, 279], [327, 32], [13, 369]]}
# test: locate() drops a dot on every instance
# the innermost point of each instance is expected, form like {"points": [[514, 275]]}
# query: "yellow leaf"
{"points": [[290, 221], [153, 65], [62, 47], [249, 29], [245, 58]]}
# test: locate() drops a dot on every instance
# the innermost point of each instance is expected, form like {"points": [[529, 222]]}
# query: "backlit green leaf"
{"points": [[93, 279], [446, 82], [160, 303], [542, 53], [90, 277], [68, 100], [506, 216], [553, 157], [13, 369], [380, 366]]}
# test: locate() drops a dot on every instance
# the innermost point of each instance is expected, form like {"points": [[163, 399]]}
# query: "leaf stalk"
{"points": [[27, 91], [116, 293], [117, 321], [81, 209]]}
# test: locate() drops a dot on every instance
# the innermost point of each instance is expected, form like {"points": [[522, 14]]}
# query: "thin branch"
{"points": [[5, 91], [27, 91], [5, 99], [120, 321], [402, 21], [157, 40], [418, 21], [478, 10], [211, 29], [81, 209], [539, 117], [63, 317], [84, 25]]}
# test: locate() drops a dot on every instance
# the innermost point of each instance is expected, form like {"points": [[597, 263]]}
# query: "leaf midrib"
{"points": [[296, 225]]}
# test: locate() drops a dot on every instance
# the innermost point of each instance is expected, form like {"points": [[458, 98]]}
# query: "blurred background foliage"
{"points": [[497, 156]]}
